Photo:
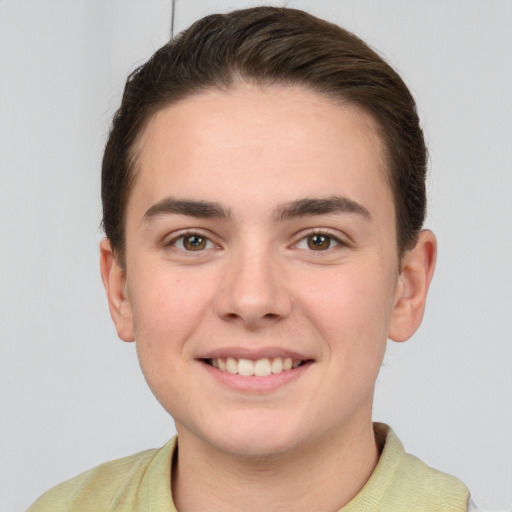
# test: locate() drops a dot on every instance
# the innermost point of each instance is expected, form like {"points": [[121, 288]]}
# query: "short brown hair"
{"points": [[266, 46]]}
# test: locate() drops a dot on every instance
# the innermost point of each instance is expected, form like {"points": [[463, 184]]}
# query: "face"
{"points": [[261, 278]]}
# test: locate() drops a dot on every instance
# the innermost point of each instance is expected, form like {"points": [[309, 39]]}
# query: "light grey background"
{"points": [[72, 395]]}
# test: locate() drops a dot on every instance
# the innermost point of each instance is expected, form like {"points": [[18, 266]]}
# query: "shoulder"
{"points": [[115, 483], [444, 491], [412, 485]]}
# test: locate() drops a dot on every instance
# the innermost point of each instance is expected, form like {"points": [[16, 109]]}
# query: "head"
{"points": [[270, 46], [263, 192]]}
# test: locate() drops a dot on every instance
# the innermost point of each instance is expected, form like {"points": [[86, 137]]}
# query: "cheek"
{"points": [[167, 307], [353, 308]]}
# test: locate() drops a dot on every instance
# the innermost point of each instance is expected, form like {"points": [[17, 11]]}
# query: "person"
{"points": [[263, 191]]}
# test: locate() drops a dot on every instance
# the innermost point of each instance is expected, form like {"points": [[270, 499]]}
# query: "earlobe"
{"points": [[417, 270], [114, 281]]}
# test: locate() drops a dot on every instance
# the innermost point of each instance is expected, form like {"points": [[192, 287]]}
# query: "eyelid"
{"points": [[169, 241], [341, 241]]}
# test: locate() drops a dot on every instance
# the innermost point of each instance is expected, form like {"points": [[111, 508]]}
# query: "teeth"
{"points": [[232, 365], [262, 368], [277, 365], [245, 367], [259, 368]]}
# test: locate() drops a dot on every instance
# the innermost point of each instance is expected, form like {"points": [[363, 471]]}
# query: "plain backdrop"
{"points": [[72, 395]]}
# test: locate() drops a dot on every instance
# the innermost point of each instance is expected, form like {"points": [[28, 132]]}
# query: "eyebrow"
{"points": [[293, 209], [321, 206], [188, 207]]}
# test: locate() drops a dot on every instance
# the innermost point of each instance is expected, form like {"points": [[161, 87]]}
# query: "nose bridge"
{"points": [[253, 290]]}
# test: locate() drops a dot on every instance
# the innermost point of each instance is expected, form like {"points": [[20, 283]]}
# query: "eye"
{"points": [[317, 242], [192, 242]]}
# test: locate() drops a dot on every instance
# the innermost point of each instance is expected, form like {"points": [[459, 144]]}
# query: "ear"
{"points": [[413, 282], [114, 281]]}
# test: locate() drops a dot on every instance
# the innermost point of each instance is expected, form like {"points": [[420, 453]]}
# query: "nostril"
{"points": [[253, 308]]}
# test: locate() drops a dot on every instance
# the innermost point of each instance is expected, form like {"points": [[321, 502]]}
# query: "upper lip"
{"points": [[253, 353]]}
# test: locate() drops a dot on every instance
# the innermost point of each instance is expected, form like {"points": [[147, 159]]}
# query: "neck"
{"points": [[324, 476]]}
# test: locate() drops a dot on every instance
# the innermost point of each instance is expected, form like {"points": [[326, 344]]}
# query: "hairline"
{"points": [[236, 80]]}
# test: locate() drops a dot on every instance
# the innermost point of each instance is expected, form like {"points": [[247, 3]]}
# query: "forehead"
{"points": [[276, 143]]}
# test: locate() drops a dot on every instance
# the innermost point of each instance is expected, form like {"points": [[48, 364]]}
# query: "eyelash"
{"points": [[172, 244], [328, 237], [338, 242]]}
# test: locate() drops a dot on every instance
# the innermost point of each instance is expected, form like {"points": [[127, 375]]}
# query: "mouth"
{"points": [[255, 368]]}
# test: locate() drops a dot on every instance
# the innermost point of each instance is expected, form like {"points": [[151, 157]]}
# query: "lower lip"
{"points": [[254, 384]]}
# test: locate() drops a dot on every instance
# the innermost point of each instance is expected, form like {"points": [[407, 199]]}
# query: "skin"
{"points": [[260, 287]]}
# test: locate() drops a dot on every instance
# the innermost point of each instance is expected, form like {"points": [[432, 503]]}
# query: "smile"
{"points": [[258, 368]]}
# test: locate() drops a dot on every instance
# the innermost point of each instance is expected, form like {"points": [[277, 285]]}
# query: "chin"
{"points": [[258, 448], [256, 441]]}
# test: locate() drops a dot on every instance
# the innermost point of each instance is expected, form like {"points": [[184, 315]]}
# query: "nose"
{"points": [[254, 291]]}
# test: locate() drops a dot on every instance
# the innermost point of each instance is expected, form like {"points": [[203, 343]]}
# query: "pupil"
{"points": [[195, 242], [319, 242]]}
